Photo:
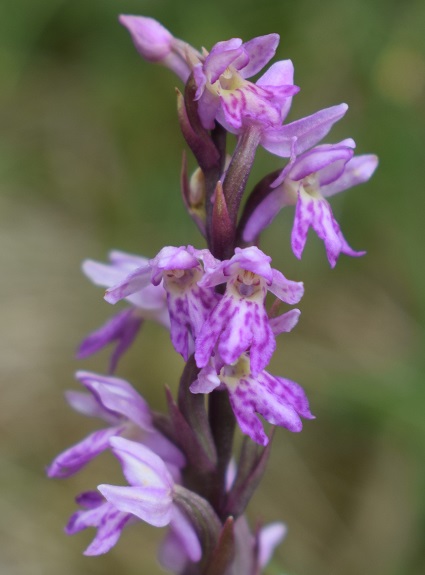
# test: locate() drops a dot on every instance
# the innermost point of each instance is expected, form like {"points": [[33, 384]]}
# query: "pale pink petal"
{"points": [[219, 60], [260, 51], [171, 258], [206, 382], [141, 466], [119, 397], [166, 450], [286, 290], [280, 74], [208, 106], [171, 554], [107, 275], [108, 520], [357, 171], [126, 261], [269, 537], [231, 473], [87, 404], [122, 328], [186, 533], [226, 45], [264, 214], [103, 275], [319, 159], [135, 281], [285, 322], [251, 259], [150, 38], [151, 504], [76, 457], [305, 132]]}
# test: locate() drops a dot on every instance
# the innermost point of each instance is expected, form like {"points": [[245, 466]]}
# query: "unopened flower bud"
{"points": [[197, 189], [151, 39]]}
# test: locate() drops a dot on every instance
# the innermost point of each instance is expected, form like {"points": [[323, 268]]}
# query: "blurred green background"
{"points": [[90, 156]]}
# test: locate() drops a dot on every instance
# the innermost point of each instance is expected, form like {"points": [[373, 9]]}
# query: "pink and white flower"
{"points": [[150, 497], [122, 328], [306, 182], [180, 270], [115, 401], [239, 322], [278, 400]]}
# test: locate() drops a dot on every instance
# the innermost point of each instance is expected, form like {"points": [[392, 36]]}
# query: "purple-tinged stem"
{"points": [[222, 421], [192, 406], [239, 169]]}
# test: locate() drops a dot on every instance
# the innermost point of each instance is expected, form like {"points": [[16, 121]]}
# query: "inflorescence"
{"points": [[179, 467]]}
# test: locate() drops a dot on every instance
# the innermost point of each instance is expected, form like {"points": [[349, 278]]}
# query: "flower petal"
{"points": [[171, 555], [219, 59], [318, 159], [118, 396], [260, 51], [302, 222], [206, 382], [133, 282], [286, 290], [253, 260], [269, 537], [280, 74], [317, 213], [263, 343], [275, 399], [306, 132], [358, 170], [285, 322], [166, 450], [264, 214], [122, 328], [150, 38], [73, 459], [244, 412], [89, 499], [151, 504], [208, 106], [294, 395], [185, 532], [170, 258], [109, 522], [102, 275], [141, 466]]}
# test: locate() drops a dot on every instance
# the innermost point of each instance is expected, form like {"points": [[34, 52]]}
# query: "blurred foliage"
{"points": [[89, 160]]}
